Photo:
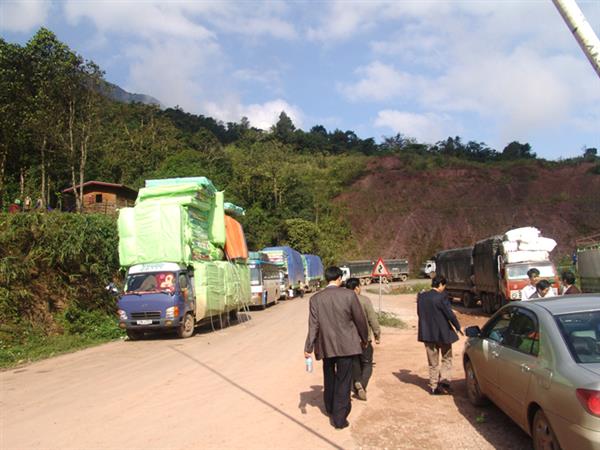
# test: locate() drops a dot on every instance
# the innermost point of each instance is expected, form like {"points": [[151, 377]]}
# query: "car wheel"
{"points": [[473, 391], [542, 433], [186, 328]]}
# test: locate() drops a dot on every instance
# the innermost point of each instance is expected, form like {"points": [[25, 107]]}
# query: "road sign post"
{"points": [[380, 271]]}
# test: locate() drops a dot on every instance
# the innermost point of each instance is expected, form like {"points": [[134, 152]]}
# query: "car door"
{"points": [[516, 360], [485, 360]]}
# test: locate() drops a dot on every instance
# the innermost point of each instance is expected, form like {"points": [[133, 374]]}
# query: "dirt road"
{"points": [[242, 387]]}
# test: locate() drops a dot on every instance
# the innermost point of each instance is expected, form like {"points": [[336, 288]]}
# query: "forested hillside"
{"points": [[58, 128]]}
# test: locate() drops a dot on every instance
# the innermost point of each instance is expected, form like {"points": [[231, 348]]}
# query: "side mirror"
{"points": [[112, 289], [473, 331]]}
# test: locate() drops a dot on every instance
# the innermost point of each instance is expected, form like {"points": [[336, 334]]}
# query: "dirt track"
{"points": [[242, 387]]}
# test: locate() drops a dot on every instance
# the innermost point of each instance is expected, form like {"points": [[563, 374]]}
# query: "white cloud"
{"points": [[262, 115], [379, 82], [427, 127], [23, 15]]}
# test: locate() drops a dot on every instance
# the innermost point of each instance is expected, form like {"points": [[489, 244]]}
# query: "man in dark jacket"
{"points": [[436, 322], [337, 332]]}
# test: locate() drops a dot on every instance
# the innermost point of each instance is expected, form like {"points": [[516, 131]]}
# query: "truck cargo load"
{"points": [[456, 266], [291, 263], [313, 272], [588, 263], [398, 268], [235, 242]]}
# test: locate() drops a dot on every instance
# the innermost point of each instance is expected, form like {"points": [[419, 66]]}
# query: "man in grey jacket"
{"points": [[337, 332], [363, 364]]}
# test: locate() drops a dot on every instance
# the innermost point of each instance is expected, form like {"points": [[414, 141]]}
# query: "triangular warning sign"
{"points": [[380, 270]]}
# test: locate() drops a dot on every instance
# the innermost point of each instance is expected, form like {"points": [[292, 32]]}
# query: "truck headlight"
{"points": [[122, 314], [172, 312]]}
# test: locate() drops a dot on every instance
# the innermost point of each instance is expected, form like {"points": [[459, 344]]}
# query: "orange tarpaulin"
{"points": [[235, 241]]}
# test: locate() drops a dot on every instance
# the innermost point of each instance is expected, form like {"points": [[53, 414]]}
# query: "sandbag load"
{"points": [[526, 244], [174, 220]]}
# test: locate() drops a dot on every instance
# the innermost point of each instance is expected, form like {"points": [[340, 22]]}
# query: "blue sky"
{"points": [[491, 71]]}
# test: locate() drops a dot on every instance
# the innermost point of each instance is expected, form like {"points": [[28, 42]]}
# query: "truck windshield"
{"points": [[151, 282], [519, 272], [254, 275]]}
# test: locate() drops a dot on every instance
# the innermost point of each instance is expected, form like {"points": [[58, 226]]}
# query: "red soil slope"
{"points": [[397, 211]]}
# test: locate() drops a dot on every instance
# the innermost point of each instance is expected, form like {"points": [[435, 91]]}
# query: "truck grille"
{"points": [[146, 315]]}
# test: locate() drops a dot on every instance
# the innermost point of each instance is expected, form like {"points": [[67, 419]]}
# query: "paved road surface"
{"points": [[240, 388]]}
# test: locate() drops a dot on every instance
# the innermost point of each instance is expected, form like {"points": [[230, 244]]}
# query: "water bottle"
{"points": [[309, 364]]}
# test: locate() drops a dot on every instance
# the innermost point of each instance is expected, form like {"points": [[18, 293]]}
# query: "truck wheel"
{"points": [[186, 327], [485, 302], [403, 277], [368, 281], [233, 314], [468, 300], [134, 335]]}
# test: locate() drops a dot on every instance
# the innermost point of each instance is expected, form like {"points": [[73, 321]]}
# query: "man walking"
{"points": [[337, 332], [363, 364], [436, 332]]}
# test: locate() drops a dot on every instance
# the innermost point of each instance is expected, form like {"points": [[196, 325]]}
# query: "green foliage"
{"points": [[302, 235], [387, 319]]}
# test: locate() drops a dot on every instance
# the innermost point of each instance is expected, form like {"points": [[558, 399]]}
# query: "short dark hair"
{"points": [[333, 273], [542, 284], [568, 277], [438, 281], [352, 283], [533, 272]]}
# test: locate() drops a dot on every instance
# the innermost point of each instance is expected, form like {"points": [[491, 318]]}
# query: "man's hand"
{"points": [[306, 355], [377, 341]]}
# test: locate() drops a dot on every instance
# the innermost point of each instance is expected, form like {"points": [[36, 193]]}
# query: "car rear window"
{"points": [[582, 334]]}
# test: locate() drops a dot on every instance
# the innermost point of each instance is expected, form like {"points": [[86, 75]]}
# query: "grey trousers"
{"points": [[439, 374]]}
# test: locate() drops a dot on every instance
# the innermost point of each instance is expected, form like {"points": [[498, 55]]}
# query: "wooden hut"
{"points": [[100, 197]]}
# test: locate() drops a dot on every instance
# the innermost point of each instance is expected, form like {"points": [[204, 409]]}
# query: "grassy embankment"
{"points": [[53, 269]]}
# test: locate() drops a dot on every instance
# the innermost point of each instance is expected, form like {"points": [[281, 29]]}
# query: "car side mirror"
{"points": [[112, 289], [473, 331]]}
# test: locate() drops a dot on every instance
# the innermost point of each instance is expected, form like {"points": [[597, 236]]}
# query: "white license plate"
{"points": [[144, 322]]}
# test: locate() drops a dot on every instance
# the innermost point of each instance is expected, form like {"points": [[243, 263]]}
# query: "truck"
{"points": [[184, 265], [456, 265], [290, 263], [264, 280], [313, 272], [588, 263], [428, 268], [358, 269], [398, 269], [496, 270]]}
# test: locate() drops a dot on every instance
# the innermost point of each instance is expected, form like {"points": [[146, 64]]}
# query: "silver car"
{"points": [[539, 361]]}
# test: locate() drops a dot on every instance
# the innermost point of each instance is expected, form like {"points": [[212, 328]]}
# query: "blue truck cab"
{"points": [[157, 296]]}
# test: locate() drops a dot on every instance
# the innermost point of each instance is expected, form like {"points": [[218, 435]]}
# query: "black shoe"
{"points": [[435, 391], [342, 426], [445, 388]]}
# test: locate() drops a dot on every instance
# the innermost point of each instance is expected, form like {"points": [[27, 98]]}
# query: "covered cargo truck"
{"points": [[264, 280], [313, 272], [358, 269], [398, 268], [456, 266], [290, 263], [588, 263], [172, 245]]}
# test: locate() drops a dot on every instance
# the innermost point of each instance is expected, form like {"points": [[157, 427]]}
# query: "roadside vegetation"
{"points": [[401, 289], [387, 319]]}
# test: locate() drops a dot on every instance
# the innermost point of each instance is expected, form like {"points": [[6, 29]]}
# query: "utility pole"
{"points": [[581, 29]]}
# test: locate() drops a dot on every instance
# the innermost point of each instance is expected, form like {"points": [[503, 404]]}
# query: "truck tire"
{"points": [[403, 277], [134, 335], [233, 314], [186, 327], [485, 303], [368, 281], [468, 300]]}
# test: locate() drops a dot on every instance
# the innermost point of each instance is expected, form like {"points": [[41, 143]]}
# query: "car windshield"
{"points": [[254, 275], [151, 282], [581, 332], [520, 272]]}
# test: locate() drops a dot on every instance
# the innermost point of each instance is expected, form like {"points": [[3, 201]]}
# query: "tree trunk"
{"points": [[78, 205], [22, 183], [2, 166], [43, 190]]}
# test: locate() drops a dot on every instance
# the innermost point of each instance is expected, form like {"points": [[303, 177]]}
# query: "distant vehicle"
{"points": [[588, 263], [428, 268], [358, 269], [487, 272], [290, 262], [313, 272], [398, 269], [539, 361], [264, 280]]}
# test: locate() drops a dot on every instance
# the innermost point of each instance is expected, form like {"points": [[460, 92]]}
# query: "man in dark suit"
{"points": [[337, 332], [568, 281], [436, 322]]}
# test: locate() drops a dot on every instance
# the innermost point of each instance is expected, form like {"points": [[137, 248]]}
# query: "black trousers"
{"points": [[337, 377], [362, 367]]}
